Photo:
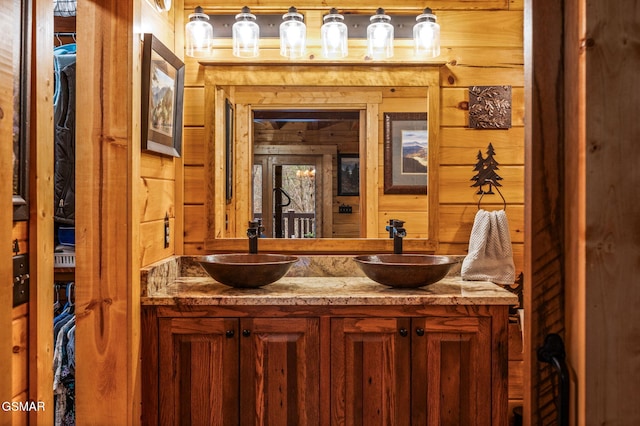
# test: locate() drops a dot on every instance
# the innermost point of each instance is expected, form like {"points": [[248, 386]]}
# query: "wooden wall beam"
{"points": [[108, 221], [544, 200], [608, 131], [41, 211]]}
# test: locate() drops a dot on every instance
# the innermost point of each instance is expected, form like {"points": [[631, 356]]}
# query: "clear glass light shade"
{"points": [[293, 35], [426, 35], [380, 36], [198, 34], [246, 35], [334, 36]]}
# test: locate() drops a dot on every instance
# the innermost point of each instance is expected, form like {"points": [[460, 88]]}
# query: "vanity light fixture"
{"points": [[426, 35], [198, 34], [334, 35], [293, 34], [380, 36], [246, 34]]}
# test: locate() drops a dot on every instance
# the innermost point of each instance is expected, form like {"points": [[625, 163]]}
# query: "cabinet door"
{"points": [[451, 371], [370, 371], [198, 371], [279, 370]]}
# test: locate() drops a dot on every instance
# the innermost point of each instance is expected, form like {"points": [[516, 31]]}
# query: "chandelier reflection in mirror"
{"points": [[380, 31]]}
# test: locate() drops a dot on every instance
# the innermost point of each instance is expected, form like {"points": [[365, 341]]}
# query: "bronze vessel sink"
{"points": [[405, 270], [245, 270]]}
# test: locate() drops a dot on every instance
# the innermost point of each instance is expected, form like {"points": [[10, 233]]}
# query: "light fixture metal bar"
{"points": [[356, 23], [402, 25], [269, 25]]}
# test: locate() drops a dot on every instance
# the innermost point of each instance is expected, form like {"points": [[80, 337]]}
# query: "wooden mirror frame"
{"points": [[221, 81]]}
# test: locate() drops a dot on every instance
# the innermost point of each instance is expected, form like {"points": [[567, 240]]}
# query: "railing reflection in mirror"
{"points": [[295, 224]]}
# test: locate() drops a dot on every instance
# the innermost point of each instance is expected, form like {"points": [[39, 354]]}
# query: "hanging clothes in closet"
{"points": [[64, 359], [64, 106]]}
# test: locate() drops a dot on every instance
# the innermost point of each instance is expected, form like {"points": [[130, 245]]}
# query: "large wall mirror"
{"points": [[308, 147]]}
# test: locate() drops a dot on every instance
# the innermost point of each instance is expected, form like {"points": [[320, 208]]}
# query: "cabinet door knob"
{"points": [[229, 334], [246, 333], [420, 331], [404, 332]]}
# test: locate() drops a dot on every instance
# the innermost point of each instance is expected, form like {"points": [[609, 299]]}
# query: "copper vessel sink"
{"points": [[405, 270], [244, 270]]}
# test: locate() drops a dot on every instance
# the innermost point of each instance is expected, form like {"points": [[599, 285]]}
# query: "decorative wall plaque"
{"points": [[490, 107]]}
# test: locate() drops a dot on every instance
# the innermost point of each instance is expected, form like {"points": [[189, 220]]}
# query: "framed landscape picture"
{"points": [[162, 98], [406, 148], [348, 174]]}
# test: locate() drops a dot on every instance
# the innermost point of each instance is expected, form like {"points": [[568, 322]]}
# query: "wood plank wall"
{"points": [[494, 58], [160, 175]]}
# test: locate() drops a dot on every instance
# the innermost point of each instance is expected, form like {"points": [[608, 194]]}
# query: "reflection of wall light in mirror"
{"points": [[293, 33], [310, 173], [198, 34], [246, 35], [334, 35], [426, 35], [380, 36]]}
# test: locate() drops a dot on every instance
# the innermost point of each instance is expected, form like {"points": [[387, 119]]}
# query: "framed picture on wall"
{"points": [[406, 147], [162, 98], [228, 142], [348, 174]]}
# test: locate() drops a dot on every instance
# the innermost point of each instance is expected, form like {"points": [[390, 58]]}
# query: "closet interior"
{"points": [[64, 58]]}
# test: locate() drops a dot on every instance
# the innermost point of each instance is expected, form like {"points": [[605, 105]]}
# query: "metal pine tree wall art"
{"points": [[486, 172]]}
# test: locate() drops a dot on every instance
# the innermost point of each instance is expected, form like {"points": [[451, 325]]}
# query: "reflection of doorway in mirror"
{"points": [[286, 185], [318, 136]]}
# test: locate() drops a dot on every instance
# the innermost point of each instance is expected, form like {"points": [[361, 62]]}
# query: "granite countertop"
{"points": [[329, 291], [181, 281]]}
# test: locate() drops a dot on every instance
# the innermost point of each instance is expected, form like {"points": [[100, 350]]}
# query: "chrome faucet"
{"points": [[253, 232], [397, 232]]}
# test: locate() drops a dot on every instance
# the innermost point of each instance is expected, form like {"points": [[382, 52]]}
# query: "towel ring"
{"points": [[504, 202]]}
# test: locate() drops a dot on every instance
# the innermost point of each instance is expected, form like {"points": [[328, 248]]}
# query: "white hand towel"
{"points": [[490, 255]]}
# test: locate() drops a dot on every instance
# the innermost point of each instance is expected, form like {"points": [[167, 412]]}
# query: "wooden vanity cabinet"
{"points": [[199, 374], [370, 371], [419, 371], [428, 365], [279, 371], [451, 372], [221, 371]]}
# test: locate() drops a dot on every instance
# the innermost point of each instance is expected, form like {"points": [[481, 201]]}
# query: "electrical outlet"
{"points": [[167, 231]]}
